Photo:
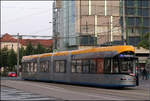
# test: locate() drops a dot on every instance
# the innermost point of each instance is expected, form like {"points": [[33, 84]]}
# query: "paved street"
{"points": [[8, 93], [48, 91]]}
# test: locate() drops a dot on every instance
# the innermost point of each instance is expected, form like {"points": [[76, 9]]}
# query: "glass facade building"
{"points": [[96, 22], [137, 13]]}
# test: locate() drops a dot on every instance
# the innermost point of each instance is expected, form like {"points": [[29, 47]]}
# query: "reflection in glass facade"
{"points": [[137, 14]]}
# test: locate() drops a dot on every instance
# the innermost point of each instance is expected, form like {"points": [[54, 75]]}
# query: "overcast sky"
{"points": [[26, 17]]}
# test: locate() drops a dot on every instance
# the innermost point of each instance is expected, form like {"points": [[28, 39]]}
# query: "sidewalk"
{"points": [[144, 83]]}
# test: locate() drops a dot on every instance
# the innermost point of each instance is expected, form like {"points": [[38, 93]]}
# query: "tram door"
{"points": [[100, 66]]}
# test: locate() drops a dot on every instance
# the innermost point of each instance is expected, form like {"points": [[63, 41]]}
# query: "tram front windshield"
{"points": [[127, 65]]}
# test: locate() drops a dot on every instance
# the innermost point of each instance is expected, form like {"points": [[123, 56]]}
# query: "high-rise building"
{"points": [[137, 14], [87, 23]]}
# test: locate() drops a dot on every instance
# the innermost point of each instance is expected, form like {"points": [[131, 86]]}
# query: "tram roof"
{"points": [[118, 49]]}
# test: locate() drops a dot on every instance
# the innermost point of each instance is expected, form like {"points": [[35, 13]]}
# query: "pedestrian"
{"points": [[147, 75], [137, 79], [144, 74]]}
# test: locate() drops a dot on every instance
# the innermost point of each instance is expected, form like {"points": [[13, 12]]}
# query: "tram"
{"points": [[112, 66]]}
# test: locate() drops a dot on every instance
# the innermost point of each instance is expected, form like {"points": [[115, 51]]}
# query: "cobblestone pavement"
{"points": [[14, 94]]}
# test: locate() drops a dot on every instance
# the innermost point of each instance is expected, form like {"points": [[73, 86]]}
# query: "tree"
{"points": [[30, 49], [12, 59], [4, 57], [40, 49], [50, 49], [145, 42]]}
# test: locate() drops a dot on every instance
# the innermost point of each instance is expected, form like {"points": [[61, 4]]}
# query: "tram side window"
{"points": [[28, 67], [93, 66], [44, 66], [24, 67], [60, 66], [115, 66], [86, 65], [107, 64], [73, 65], [79, 66], [35, 67]]}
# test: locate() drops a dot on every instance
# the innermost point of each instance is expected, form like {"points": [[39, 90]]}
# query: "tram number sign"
{"points": [[122, 55]]}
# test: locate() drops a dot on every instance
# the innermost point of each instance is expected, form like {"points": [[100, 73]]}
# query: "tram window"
{"points": [[115, 66], [93, 66], [100, 65], [126, 65], [31, 66], [79, 66], [60, 66], [73, 65], [25, 67], [107, 64], [56, 66], [85, 67], [28, 67], [44, 66], [35, 67]]}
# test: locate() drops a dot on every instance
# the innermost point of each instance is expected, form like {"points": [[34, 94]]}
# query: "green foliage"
{"points": [[50, 49], [145, 42], [4, 57], [30, 49], [8, 58], [12, 59], [40, 49]]}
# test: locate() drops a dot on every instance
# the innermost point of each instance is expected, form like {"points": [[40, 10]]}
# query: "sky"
{"points": [[26, 17]]}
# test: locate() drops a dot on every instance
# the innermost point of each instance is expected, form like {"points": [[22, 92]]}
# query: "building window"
{"points": [[130, 11], [145, 12], [131, 21], [138, 21], [60, 66], [129, 3], [146, 22], [139, 12], [145, 30], [145, 3]]}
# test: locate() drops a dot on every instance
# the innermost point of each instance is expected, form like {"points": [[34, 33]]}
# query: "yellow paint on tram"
{"points": [[118, 49]]}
